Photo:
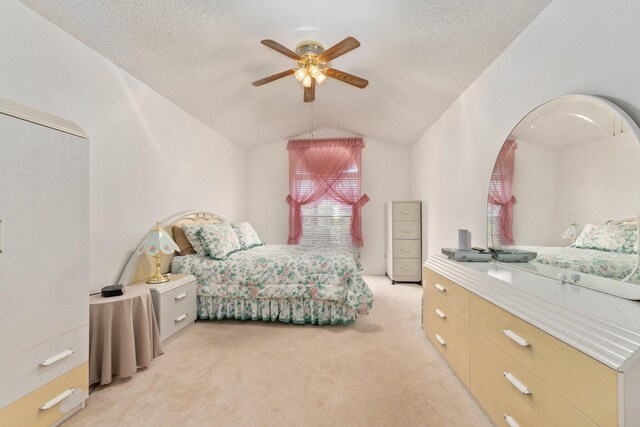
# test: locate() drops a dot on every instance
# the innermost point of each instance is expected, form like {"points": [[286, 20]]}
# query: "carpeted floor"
{"points": [[380, 371]]}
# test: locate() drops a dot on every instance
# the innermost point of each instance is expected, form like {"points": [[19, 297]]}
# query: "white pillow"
{"points": [[191, 233], [219, 240], [247, 236]]}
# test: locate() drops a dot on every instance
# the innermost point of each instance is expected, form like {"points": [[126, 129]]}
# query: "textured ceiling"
{"points": [[418, 56]]}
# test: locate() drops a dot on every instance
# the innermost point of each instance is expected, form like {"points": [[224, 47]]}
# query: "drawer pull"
{"points": [[516, 383], [179, 297], [59, 398], [181, 318], [441, 340], [406, 231], [509, 419], [60, 356], [406, 213], [439, 287], [515, 337], [406, 268], [441, 314], [407, 250]]}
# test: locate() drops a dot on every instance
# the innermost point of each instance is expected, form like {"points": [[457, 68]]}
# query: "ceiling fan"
{"points": [[312, 59]]}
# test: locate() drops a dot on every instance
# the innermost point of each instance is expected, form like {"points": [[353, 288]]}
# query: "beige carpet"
{"points": [[379, 371]]}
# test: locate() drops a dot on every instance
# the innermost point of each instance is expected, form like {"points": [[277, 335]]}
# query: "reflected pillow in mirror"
{"points": [[191, 233], [219, 240], [608, 237], [247, 236]]}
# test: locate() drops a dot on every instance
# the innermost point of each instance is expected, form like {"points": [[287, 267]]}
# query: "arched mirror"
{"points": [[565, 189]]}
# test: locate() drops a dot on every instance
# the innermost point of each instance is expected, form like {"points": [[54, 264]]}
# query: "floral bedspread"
{"points": [[283, 271], [613, 265]]}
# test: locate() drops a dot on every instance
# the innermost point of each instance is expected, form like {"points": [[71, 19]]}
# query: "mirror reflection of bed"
{"points": [[565, 186]]}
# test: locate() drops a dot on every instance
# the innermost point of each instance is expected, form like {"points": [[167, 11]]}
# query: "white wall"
{"points": [[149, 158], [573, 46], [535, 186], [385, 176]]}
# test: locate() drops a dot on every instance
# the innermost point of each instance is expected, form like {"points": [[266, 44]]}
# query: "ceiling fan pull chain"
{"points": [[311, 119]]}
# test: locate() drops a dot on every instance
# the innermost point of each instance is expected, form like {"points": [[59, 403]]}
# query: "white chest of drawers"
{"points": [[44, 266], [174, 303], [403, 249]]}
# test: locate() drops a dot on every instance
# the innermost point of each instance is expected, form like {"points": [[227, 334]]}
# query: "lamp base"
{"points": [[158, 279]]}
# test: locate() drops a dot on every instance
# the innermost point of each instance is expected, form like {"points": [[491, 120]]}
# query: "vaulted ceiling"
{"points": [[418, 55]]}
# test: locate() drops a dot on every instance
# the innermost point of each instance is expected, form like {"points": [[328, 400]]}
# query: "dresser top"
{"points": [[602, 326]]}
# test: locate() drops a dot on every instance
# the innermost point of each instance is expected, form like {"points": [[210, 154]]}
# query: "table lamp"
{"points": [[157, 241], [570, 233]]}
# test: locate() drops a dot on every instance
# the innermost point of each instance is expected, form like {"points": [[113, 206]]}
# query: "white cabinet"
{"points": [[403, 253], [44, 262], [174, 303]]}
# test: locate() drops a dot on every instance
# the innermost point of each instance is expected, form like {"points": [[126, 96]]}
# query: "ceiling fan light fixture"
{"points": [[306, 82], [320, 78], [300, 74], [314, 71]]}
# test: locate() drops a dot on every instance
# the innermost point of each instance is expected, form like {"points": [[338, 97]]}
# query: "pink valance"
{"points": [[320, 168]]}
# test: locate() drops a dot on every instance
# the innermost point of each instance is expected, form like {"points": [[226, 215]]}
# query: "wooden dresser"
{"points": [[532, 351], [403, 248], [44, 267]]}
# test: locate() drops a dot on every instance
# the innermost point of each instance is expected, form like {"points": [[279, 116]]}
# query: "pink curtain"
{"points": [[501, 189], [325, 167]]}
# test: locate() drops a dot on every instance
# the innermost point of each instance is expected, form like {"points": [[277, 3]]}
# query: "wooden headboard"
{"points": [[141, 267]]}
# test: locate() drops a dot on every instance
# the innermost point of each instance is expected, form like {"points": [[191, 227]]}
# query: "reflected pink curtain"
{"points": [[325, 167], [501, 189]]}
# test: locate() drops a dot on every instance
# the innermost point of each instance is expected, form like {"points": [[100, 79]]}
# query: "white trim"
{"points": [[19, 111]]}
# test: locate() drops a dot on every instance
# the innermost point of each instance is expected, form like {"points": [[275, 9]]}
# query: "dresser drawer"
{"points": [[406, 248], [589, 385], [407, 268], [27, 370], [503, 386], [406, 230], [445, 293], [178, 319], [71, 388], [406, 211], [449, 333]]}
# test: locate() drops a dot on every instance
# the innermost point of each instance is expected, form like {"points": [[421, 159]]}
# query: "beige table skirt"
{"points": [[123, 335]]}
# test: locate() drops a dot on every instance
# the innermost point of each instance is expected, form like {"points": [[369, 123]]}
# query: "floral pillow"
{"points": [[219, 240], [247, 236], [191, 233], [608, 237]]}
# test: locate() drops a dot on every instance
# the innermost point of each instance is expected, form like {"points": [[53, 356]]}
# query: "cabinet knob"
{"points": [[509, 420], [181, 318], [59, 398], [441, 314], [516, 383], [181, 296], [515, 337], [441, 340], [440, 288]]}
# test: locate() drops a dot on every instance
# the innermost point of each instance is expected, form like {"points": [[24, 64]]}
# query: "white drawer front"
{"points": [[21, 373], [406, 211], [406, 248], [177, 298], [407, 268], [406, 230], [176, 320]]}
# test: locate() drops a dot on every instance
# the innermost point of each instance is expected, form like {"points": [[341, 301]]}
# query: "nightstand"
{"points": [[174, 303]]}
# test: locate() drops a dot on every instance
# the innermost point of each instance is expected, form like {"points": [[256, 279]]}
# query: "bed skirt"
{"points": [[287, 310]]}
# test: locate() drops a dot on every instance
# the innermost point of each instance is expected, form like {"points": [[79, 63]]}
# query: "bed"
{"points": [[612, 265], [288, 283], [607, 250]]}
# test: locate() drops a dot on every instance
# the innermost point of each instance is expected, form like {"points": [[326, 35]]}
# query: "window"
{"points": [[325, 198]]}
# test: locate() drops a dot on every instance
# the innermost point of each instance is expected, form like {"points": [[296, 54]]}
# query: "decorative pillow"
{"points": [[247, 236], [219, 240], [608, 237], [184, 247], [191, 233]]}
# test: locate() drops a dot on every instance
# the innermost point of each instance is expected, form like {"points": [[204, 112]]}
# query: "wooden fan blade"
{"points": [[339, 49], [310, 92], [283, 50], [346, 77], [274, 77]]}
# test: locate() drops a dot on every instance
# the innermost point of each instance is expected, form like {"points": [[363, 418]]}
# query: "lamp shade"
{"points": [[570, 232], [157, 241]]}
